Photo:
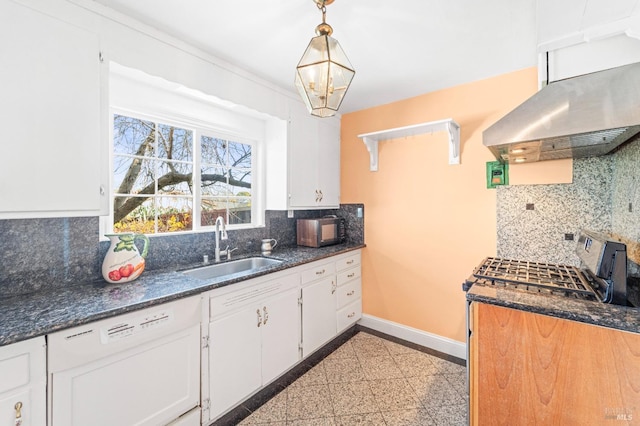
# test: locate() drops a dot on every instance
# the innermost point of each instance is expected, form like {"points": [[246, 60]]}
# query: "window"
{"points": [[154, 187], [225, 180], [180, 158]]}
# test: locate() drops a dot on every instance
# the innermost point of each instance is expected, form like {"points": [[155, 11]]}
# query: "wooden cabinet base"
{"points": [[535, 369]]}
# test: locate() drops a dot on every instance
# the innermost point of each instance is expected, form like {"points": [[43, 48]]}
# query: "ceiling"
{"points": [[399, 49]]}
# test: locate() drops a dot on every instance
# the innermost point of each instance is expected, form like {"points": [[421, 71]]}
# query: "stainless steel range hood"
{"points": [[578, 117]]}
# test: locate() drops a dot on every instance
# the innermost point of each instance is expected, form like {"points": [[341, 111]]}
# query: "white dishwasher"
{"points": [[140, 368]]}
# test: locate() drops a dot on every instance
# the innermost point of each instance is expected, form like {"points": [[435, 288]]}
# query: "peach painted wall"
{"points": [[427, 223]]}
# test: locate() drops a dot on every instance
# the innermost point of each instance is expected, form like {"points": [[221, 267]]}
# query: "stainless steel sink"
{"points": [[241, 266]]}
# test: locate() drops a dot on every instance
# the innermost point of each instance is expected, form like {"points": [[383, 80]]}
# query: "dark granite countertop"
{"points": [[590, 312], [37, 314]]}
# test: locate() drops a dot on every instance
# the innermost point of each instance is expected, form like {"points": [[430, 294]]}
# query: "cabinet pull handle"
{"points": [[351, 293], [18, 408], [266, 315], [321, 194], [320, 272], [259, 317], [333, 287], [350, 262], [351, 275], [351, 315]]}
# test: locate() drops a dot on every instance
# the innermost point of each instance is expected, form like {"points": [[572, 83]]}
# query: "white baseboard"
{"points": [[413, 335]]}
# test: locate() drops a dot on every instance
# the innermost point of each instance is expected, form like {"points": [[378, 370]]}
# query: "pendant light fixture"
{"points": [[324, 73]]}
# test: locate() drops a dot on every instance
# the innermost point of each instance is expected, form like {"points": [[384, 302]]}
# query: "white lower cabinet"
{"points": [[349, 306], [235, 359], [254, 337], [331, 299], [142, 367], [318, 306], [23, 383]]}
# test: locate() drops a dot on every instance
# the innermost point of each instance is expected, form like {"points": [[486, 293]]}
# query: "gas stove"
{"points": [[602, 276]]}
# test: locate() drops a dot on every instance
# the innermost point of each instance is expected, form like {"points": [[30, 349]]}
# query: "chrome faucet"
{"points": [[220, 235]]}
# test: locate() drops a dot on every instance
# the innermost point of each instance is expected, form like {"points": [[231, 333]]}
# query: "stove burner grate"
{"points": [[548, 276]]}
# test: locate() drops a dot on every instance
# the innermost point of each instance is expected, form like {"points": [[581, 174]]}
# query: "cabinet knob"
{"points": [[18, 408], [351, 315], [259, 317], [266, 315], [351, 293]]}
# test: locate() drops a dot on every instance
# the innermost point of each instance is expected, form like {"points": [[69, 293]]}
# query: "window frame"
{"points": [[199, 129]]}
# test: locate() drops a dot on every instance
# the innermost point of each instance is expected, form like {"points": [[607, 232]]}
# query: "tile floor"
{"points": [[371, 381]]}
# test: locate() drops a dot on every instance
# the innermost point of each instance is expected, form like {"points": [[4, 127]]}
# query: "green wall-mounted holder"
{"points": [[497, 174]]}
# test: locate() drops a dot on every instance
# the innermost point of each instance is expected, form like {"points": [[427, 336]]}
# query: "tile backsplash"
{"points": [[625, 202], [536, 222], [40, 254]]}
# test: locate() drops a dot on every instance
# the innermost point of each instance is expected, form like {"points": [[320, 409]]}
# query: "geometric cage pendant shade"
{"points": [[324, 73]]}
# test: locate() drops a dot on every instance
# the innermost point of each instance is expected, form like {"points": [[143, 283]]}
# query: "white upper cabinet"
{"points": [[560, 19], [311, 173], [584, 36], [53, 160]]}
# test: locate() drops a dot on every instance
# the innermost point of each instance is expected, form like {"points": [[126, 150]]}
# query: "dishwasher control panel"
{"points": [[124, 329], [74, 346]]}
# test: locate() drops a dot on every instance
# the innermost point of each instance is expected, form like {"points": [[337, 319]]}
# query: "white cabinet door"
{"points": [[329, 163], [52, 161], [303, 158], [314, 162], [23, 383], [280, 335], [318, 314], [234, 358]]}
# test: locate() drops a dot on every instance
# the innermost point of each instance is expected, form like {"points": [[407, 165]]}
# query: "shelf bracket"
{"points": [[452, 128], [372, 147]]}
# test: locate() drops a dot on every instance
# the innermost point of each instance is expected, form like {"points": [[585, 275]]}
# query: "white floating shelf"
{"points": [[453, 129]]}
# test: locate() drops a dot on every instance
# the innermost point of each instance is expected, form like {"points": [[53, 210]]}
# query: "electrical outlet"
{"points": [[359, 212], [568, 237], [289, 214]]}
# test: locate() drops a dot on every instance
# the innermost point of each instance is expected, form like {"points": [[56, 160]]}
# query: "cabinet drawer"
{"points": [[318, 271], [348, 261], [348, 275], [348, 315], [349, 293], [22, 363], [14, 372], [8, 403], [222, 304]]}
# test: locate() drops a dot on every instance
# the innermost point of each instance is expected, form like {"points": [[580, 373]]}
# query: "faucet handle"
{"points": [[229, 252]]}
